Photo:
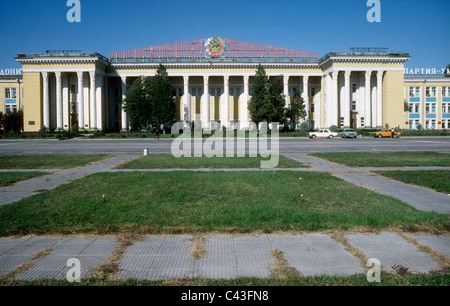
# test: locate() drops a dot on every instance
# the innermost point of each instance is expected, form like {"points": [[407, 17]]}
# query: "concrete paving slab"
{"points": [[8, 262], [438, 243], [394, 252]]}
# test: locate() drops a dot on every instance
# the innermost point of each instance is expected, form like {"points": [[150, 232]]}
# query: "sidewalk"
{"points": [[222, 256], [227, 256]]}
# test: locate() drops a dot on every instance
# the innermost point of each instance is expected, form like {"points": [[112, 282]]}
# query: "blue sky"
{"points": [[421, 28]]}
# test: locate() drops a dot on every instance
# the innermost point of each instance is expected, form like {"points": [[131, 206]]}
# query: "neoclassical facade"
{"points": [[212, 81]]}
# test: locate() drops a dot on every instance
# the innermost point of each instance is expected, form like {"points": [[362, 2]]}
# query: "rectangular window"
{"points": [[414, 108], [445, 91], [11, 109], [7, 93], [430, 92], [354, 106], [414, 92], [363, 123], [446, 107], [430, 108]]}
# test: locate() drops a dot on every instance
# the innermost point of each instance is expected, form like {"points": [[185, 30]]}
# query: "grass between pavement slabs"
{"points": [[168, 161], [196, 202], [387, 279], [48, 161], [387, 159], [9, 178], [438, 180]]}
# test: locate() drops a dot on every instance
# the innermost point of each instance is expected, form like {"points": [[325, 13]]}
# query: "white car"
{"points": [[323, 134]]}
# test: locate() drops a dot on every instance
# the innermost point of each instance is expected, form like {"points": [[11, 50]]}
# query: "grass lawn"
{"points": [[438, 180], [397, 159], [47, 161], [186, 202], [167, 161], [9, 178], [387, 279]]}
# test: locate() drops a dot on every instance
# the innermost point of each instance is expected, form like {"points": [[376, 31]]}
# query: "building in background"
{"points": [[212, 80], [11, 93]]}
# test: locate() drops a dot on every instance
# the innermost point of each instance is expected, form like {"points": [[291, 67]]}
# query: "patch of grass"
{"points": [[168, 161], [47, 161], [387, 159], [196, 202], [9, 178], [438, 180], [387, 279]]}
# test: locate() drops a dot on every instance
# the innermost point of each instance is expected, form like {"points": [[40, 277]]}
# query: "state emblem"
{"points": [[215, 47]]}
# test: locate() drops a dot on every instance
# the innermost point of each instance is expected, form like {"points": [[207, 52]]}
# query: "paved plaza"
{"points": [[227, 256]]}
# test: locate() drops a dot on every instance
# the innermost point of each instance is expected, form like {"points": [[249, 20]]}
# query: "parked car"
{"points": [[391, 133], [322, 134], [349, 133]]}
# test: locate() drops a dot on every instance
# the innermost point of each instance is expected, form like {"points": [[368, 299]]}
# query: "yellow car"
{"points": [[388, 133]]}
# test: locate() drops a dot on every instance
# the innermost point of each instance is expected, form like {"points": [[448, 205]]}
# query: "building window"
{"points": [[446, 124], [197, 91], [413, 124], [430, 108], [430, 124], [292, 91], [446, 107], [216, 91], [414, 92], [363, 122], [414, 107], [430, 92], [445, 92], [235, 91], [10, 93], [178, 92], [11, 109]]}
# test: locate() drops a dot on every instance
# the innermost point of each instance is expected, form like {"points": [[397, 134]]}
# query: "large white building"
{"points": [[212, 80]]}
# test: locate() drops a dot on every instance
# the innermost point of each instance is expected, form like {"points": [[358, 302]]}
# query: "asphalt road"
{"points": [[286, 145]]}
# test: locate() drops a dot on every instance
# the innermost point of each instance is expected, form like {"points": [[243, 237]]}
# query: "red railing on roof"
{"points": [[194, 49]]}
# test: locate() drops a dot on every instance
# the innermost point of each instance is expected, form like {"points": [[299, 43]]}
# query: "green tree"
{"points": [[297, 109], [256, 105], [162, 99], [138, 103], [276, 100]]}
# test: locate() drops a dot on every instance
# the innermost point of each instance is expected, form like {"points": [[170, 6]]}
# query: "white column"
{"points": [[244, 105], [367, 90], [124, 115], [226, 102], [186, 102], [286, 89], [328, 101], [80, 98], [46, 102], [59, 105], [346, 103], [65, 101], [380, 98], [206, 107], [93, 105], [99, 101], [334, 119], [306, 96]]}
